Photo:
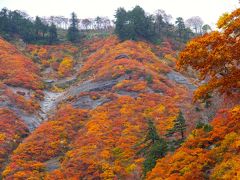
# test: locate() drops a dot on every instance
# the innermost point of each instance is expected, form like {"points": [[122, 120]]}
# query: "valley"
{"points": [[141, 99]]}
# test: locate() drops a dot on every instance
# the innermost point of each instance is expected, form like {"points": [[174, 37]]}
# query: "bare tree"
{"points": [[86, 23], [166, 17], [106, 23], [195, 23]]}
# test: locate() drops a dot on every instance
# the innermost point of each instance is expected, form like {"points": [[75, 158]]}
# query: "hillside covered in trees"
{"points": [[137, 98]]}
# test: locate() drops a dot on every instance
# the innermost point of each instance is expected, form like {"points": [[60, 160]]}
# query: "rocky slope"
{"points": [[93, 109]]}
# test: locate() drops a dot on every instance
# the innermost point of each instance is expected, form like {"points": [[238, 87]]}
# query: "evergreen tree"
{"points": [[73, 34], [124, 28], [18, 23], [38, 28], [134, 24], [156, 151], [156, 147], [4, 20], [159, 26], [179, 126], [180, 27], [206, 28], [152, 134], [188, 34], [52, 34]]}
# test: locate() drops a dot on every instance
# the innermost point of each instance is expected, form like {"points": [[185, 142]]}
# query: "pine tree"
{"points": [[73, 34], [180, 27], [179, 126], [156, 147], [123, 29], [152, 134], [52, 34], [38, 25], [134, 24]]}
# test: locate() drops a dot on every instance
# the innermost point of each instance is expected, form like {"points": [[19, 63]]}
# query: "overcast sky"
{"points": [[208, 10]]}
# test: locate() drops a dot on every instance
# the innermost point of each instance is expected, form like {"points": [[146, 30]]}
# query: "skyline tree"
{"points": [[53, 37], [73, 34]]}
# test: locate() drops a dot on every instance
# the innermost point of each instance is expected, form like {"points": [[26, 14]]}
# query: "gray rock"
{"points": [[49, 81], [121, 56], [179, 78], [85, 102], [89, 86], [128, 93], [49, 103], [52, 164]]}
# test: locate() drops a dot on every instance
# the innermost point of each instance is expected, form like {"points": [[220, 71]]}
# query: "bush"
{"points": [[149, 79]]}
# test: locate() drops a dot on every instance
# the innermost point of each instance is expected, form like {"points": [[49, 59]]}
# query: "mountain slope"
{"points": [[20, 85], [102, 118]]}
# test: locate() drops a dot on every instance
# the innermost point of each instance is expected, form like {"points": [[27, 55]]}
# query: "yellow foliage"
{"points": [[2, 137], [65, 67], [131, 168]]}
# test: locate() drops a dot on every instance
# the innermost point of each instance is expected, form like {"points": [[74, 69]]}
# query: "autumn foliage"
{"points": [[216, 151], [16, 69], [60, 58], [12, 132], [211, 152], [65, 67], [50, 140], [215, 56], [129, 85], [103, 142]]}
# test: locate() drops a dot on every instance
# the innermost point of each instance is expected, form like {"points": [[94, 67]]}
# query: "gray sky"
{"points": [[208, 10]]}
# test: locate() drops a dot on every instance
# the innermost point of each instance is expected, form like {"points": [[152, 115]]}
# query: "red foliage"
{"points": [[53, 56], [51, 139], [16, 69], [103, 143], [46, 52], [216, 56], [12, 131], [213, 154]]}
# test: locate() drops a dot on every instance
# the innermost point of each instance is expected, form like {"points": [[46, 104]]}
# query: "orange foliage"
{"points": [[103, 143], [216, 57], [51, 139], [53, 56], [12, 131], [16, 69], [51, 51], [98, 43], [104, 147], [212, 154], [29, 105], [102, 64]]}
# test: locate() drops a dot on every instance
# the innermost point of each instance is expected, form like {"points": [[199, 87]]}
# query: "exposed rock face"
{"points": [[49, 103], [86, 102], [32, 120], [88, 86], [127, 93], [52, 164], [21, 93], [179, 78], [122, 56]]}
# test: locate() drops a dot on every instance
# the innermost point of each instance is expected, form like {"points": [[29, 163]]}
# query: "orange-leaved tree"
{"points": [[211, 153], [216, 57]]}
